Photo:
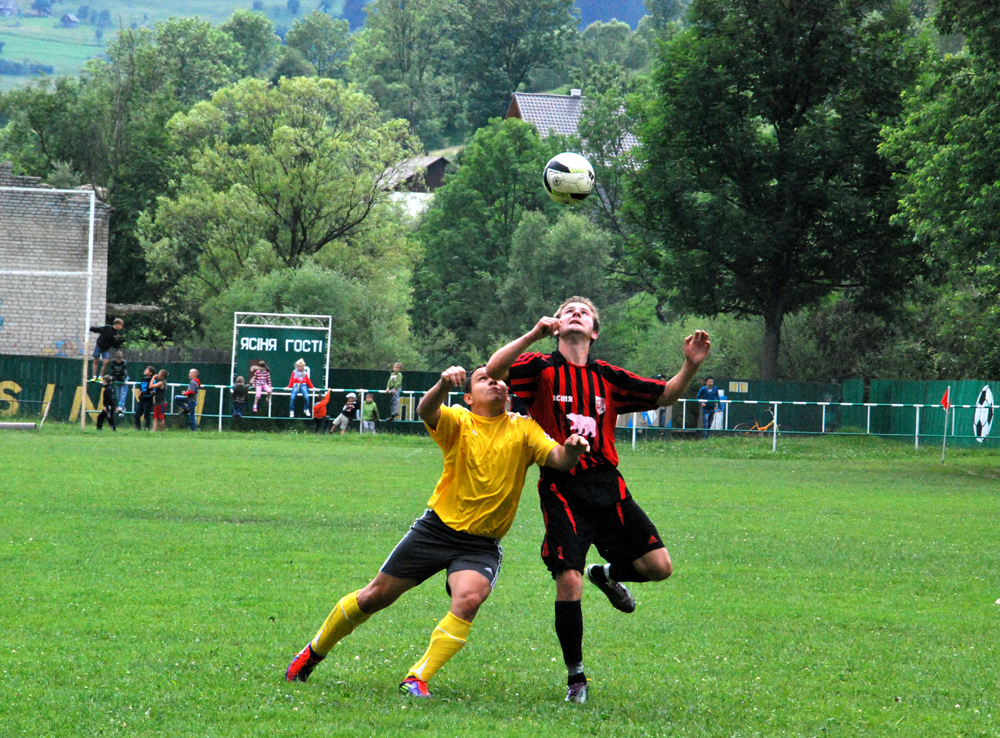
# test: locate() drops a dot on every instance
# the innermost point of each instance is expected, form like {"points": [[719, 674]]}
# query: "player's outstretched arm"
{"points": [[567, 456], [429, 407], [504, 358], [696, 348]]}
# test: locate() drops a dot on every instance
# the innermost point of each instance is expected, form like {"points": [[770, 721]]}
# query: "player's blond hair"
{"points": [[585, 301]]}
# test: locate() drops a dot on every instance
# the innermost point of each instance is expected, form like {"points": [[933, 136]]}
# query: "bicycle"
{"points": [[756, 429]]}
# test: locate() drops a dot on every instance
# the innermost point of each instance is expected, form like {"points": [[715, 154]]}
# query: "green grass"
{"points": [[159, 584], [67, 49], [42, 40]]}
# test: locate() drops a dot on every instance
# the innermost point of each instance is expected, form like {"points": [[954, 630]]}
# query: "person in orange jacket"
{"points": [[320, 416]]}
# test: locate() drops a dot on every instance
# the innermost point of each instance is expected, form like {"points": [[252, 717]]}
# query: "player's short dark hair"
{"points": [[467, 387], [709, 377], [116, 321]]}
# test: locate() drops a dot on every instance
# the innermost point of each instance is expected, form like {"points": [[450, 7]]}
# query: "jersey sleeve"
{"points": [[631, 393], [448, 426], [539, 443], [524, 375]]}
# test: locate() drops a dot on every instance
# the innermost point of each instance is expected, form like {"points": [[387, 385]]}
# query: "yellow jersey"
{"points": [[485, 460]]}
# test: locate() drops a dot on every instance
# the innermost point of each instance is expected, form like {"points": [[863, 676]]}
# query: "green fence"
{"points": [[888, 408], [28, 384]]}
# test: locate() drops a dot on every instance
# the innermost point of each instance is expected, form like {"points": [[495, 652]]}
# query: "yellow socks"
{"points": [[344, 618], [447, 639]]}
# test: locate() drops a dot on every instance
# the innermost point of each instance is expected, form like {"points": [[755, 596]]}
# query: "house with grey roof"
{"points": [[559, 114], [418, 174]]}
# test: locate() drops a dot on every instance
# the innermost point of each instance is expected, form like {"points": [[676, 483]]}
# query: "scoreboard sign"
{"points": [[281, 346]]}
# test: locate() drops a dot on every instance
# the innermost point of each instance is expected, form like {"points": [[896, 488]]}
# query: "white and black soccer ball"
{"points": [[568, 177], [984, 414]]}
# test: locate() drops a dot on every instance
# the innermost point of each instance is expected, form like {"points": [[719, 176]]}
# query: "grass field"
{"points": [[67, 49], [159, 585]]}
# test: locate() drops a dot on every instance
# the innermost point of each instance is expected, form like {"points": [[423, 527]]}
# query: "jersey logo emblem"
{"points": [[652, 539], [601, 405], [582, 424], [488, 569], [562, 398]]}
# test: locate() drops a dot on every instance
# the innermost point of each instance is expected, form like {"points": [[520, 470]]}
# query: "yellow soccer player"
{"points": [[486, 454]]}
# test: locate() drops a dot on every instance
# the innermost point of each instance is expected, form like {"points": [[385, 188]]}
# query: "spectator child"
{"points": [[320, 415], [108, 337], [349, 413], [108, 403], [144, 399], [190, 396], [394, 387], [261, 379], [119, 375], [240, 392], [298, 382], [369, 414], [159, 386]]}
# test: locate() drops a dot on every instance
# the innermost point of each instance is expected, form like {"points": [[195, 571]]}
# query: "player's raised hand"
{"points": [[546, 327], [453, 376], [697, 346], [577, 445]]}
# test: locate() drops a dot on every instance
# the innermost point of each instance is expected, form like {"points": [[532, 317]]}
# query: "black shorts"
{"points": [[431, 546], [622, 532]]}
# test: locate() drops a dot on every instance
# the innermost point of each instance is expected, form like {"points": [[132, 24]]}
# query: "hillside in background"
{"points": [[47, 42], [628, 11]]}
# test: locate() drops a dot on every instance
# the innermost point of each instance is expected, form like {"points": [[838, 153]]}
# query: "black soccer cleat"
{"points": [[617, 593]]}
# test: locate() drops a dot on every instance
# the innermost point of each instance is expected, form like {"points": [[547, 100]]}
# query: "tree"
{"points": [[948, 145], [370, 327], [292, 64], [274, 173], [404, 58], [665, 12], [197, 57], [323, 41], [551, 262], [761, 188], [466, 234], [503, 41], [259, 45]]}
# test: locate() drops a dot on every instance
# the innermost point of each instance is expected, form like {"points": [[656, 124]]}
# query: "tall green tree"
{"points": [[254, 32], [550, 262], [503, 41], [761, 188], [404, 57], [467, 232], [323, 41], [273, 175], [948, 145]]}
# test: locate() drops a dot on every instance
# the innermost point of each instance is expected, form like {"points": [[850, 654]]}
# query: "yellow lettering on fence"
{"points": [[5, 387], [74, 414]]}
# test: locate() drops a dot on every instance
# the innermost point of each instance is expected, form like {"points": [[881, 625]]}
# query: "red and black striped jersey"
{"points": [[565, 398]]}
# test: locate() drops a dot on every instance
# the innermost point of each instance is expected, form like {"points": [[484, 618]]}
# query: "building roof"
{"points": [[558, 114], [548, 113], [409, 168]]}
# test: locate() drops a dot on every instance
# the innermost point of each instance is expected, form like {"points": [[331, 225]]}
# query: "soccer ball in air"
{"points": [[568, 177]]}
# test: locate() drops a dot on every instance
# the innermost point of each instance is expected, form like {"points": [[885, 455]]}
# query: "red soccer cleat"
{"points": [[302, 665], [414, 687]]}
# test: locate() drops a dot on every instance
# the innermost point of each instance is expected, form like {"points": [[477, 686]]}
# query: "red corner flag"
{"points": [[945, 402]]}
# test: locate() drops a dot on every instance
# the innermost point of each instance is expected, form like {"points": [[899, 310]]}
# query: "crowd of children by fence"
{"points": [[145, 399]]}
